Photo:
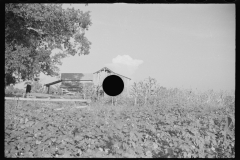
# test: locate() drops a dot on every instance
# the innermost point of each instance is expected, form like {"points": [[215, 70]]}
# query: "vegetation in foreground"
{"points": [[170, 123]]}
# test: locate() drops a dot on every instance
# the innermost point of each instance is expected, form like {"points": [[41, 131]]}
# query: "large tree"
{"points": [[32, 31]]}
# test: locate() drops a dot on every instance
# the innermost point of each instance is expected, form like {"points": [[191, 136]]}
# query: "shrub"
{"points": [[9, 90], [37, 87]]}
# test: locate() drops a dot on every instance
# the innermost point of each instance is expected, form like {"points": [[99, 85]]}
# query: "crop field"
{"points": [[172, 125], [152, 122]]}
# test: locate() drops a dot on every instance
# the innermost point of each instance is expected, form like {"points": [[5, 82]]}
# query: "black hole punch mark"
{"points": [[113, 85]]}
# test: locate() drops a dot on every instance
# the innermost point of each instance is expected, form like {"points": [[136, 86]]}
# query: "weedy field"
{"points": [[171, 124]]}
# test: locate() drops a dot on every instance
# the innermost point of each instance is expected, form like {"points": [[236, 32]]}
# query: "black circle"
{"points": [[113, 85]]}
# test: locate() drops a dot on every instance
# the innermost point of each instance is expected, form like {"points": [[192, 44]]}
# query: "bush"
{"points": [[9, 90], [37, 87]]}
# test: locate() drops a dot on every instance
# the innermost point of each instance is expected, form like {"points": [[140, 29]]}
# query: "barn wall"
{"points": [[74, 85], [126, 85], [100, 76], [76, 76]]}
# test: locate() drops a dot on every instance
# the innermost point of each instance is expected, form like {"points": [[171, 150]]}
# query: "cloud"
{"points": [[124, 65]]}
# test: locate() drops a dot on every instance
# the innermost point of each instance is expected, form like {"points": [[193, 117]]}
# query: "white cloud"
{"points": [[124, 64], [126, 60]]}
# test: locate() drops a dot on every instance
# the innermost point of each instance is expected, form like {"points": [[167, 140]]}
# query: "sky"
{"points": [[180, 45]]}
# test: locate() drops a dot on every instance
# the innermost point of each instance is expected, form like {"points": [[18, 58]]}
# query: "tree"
{"points": [[33, 30], [148, 87], [135, 92]]}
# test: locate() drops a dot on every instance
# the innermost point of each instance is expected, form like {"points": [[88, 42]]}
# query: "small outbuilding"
{"points": [[73, 81], [101, 74]]}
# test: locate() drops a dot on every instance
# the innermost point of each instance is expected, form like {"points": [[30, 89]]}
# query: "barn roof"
{"points": [[52, 83], [77, 76], [111, 71]]}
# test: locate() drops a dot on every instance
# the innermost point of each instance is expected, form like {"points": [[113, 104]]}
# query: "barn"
{"points": [[74, 81], [101, 74]]}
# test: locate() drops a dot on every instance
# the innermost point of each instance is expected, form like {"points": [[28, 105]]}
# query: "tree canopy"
{"points": [[32, 31]]}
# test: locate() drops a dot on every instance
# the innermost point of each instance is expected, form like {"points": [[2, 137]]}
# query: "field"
{"points": [[172, 125]]}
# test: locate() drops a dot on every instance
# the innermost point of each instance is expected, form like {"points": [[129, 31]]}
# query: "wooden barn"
{"points": [[101, 74], [73, 81]]}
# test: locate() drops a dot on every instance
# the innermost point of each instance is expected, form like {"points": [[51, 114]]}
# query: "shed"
{"points": [[101, 74], [73, 81]]}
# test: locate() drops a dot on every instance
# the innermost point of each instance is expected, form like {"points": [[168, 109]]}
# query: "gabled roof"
{"points": [[77, 76], [52, 83], [111, 71]]}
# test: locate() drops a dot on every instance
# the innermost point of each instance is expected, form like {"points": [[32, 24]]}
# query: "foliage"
{"points": [[33, 30], [93, 92], [56, 89], [37, 87], [144, 90], [12, 92], [148, 92], [172, 123], [87, 90], [135, 92], [41, 130], [9, 89]]}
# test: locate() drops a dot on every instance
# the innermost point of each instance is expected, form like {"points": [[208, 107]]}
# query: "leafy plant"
{"points": [[37, 87], [179, 124]]}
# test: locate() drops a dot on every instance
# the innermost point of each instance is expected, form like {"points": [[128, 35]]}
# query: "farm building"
{"points": [[74, 81], [101, 74]]}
